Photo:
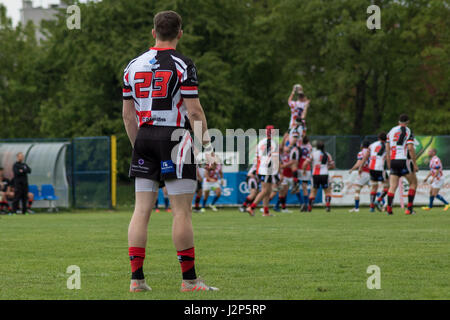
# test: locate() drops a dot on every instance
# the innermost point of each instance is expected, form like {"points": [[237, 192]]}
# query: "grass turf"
{"points": [[314, 255]]}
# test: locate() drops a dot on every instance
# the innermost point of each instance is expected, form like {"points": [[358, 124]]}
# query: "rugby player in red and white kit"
{"points": [[288, 160], [363, 172], [299, 107], [304, 175], [321, 162], [401, 160], [267, 169], [160, 90], [437, 180], [378, 175]]}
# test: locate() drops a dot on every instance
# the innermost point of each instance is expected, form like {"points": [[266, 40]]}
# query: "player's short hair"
{"points": [[403, 118], [382, 136], [320, 145], [305, 139], [365, 144], [167, 25]]}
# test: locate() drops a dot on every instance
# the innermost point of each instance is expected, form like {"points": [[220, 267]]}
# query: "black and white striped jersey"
{"points": [[158, 81]]}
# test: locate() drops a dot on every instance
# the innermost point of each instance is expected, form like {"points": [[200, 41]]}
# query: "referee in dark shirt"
{"points": [[21, 170]]}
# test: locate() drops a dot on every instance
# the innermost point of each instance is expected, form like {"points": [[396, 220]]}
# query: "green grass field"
{"points": [[314, 255]]}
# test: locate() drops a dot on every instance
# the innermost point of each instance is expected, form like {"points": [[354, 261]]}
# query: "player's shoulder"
{"points": [[393, 130], [180, 58], [137, 58]]}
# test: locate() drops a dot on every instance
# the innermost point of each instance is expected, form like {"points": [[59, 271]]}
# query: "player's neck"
{"points": [[165, 44]]}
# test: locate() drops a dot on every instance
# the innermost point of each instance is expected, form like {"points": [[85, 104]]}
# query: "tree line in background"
{"points": [[249, 54]]}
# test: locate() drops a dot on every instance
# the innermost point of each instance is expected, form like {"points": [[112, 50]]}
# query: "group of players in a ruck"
{"points": [[294, 164]]}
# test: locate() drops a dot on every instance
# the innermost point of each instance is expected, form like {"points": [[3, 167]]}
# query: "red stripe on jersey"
{"points": [[145, 114], [161, 49], [316, 170], [373, 161], [394, 152], [180, 75], [126, 78], [189, 88], [126, 90], [179, 113]]}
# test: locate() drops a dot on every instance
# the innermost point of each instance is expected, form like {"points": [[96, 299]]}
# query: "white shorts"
{"points": [[363, 179], [173, 186], [287, 181], [304, 177], [437, 184], [211, 186]]}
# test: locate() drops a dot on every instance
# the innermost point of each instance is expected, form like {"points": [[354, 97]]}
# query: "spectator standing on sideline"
{"points": [[21, 171]]}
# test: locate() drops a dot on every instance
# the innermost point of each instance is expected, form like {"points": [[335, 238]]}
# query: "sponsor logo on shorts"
{"points": [[167, 166]]}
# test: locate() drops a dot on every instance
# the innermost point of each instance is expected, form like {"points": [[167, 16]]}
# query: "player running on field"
{"points": [[299, 106], [161, 89], [267, 167], [362, 165], [321, 162], [212, 182], [437, 180], [378, 175], [401, 160]]}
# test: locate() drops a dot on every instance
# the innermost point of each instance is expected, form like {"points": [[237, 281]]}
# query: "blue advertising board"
{"points": [[235, 190]]}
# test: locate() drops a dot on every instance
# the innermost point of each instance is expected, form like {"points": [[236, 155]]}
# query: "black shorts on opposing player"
{"points": [[156, 157], [377, 175], [320, 181], [400, 167]]}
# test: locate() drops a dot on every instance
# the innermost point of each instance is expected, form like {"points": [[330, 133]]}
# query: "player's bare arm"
{"points": [[129, 120], [412, 153], [357, 165], [331, 165], [388, 156], [364, 160], [196, 113], [305, 111], [291, 96], [430, 174]]}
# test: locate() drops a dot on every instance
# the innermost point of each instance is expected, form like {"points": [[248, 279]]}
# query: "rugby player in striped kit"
{"points": [[299, 107], [378, 175], [161, 91], [401, 160], [321, 162], [267, 169], [437, 180], [362, 164]]}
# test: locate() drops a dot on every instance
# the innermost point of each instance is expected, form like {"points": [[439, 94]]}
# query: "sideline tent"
{"points": [[48, 166]]}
